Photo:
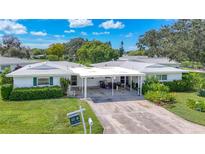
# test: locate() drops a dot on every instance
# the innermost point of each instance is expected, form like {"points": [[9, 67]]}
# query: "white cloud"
{"points": [[12, 27], [79, 23], [101, 33], [110, 24], [39, 33], [69, 31], [59, 36], [83, 33], [129, 35]]}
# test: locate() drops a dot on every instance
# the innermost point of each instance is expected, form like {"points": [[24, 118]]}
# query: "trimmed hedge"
{"points": [[6, 90], [190, 82], [178, 86], [160, 97], [36, 93]]}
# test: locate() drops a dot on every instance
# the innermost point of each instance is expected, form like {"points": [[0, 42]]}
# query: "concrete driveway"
{"points": [[140, 117]]}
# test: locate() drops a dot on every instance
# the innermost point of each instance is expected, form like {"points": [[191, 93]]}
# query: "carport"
{"points": [[112, 72]]}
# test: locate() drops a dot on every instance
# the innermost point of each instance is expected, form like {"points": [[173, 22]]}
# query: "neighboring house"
{"points": [[146, 59], [13, 63], [162, 72], [81, 77]]}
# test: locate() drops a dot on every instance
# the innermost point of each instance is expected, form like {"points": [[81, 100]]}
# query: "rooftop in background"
{"points": [[146, 59], [14, 61], [140, 66]]}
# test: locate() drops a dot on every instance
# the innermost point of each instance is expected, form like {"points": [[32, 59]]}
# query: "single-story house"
{"points": [[108, 74], [162, 72], [155, 60], [13, 63]]}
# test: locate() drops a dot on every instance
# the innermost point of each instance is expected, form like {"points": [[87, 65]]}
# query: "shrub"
{"points": [[4, 79], [190, 82], [201, 92], [6, 91], [146, 85], [154, 87], [36, 93], [52, 58], [160, 97], [196, 105], [64, 85]]}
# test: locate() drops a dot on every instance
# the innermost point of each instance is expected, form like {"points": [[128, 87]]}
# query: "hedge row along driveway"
{"points": [[43, 117]]}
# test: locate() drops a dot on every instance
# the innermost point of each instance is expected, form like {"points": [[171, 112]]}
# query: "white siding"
{"points": [[28, 82], [170, 77], [23, 82]]}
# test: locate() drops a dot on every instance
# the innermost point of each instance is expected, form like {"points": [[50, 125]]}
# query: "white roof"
{"points": [[48, 68], [105, 71], [146, 59], [13, 61], [141, 67]]}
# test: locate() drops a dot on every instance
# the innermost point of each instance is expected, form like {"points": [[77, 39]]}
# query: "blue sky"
{"points": [[42, 33]]}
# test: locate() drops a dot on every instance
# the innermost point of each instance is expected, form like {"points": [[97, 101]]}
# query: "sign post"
{"points": [[75, 118]]}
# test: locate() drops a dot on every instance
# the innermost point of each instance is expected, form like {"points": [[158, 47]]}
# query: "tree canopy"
{"points": [[12, 47], [96, 51], [136, 53], [184, 40], [56, 49], [121, 49], [72, 46]]}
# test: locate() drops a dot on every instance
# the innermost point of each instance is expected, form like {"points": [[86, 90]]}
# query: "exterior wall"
{"points": [[20, 82], [23, 82], [170, 77]]}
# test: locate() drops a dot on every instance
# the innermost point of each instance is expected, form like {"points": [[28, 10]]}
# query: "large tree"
{"points": [[12, 47], [72, 46], [184, 40], [121, 49], [96, 51], [56, 49]]}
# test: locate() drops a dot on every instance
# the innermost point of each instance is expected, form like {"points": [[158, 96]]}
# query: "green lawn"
{"points": [[43, 117], [182, 110]]}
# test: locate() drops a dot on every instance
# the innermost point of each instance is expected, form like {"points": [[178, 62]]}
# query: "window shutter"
{"points": [[34, 81], [51, 80]]}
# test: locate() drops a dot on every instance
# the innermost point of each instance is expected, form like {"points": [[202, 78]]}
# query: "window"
{"points": [[43, 81], [74, 80], [161, 77], [122, 79], [164, 77]]}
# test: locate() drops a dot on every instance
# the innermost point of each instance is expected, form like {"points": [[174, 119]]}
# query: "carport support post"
{"points": [[85, 88], [140, 85], [125, 81], [82, 86], [112, 87], [130, 83]]}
